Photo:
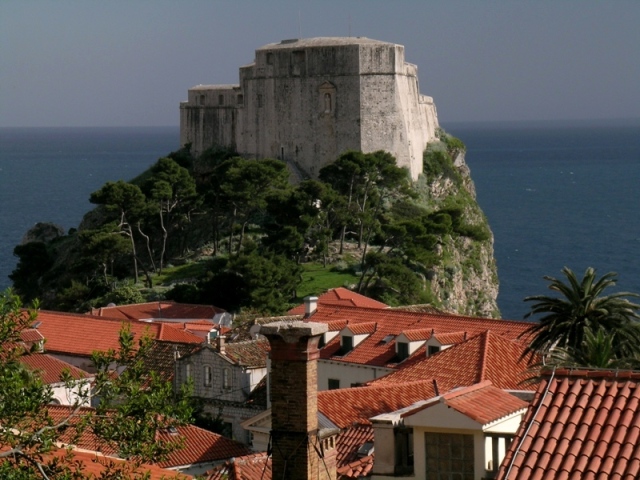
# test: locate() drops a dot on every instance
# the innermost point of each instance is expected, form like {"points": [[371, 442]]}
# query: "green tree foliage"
{"points": [[34, 261], [132, 407], [581, 314]]}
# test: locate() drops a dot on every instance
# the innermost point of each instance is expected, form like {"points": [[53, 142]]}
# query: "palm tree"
{"points": [[581, 306], [596, 351]]}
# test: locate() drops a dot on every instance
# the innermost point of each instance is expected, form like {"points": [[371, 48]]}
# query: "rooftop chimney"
{"points": [[310, 306], [299, 450], [220, 344]]}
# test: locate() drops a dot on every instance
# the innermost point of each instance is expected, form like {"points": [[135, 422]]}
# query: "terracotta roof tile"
{"points": [[251, 353], [161, 358], [158, 310], [76, 334], [486, 356], [450, 338], [250, 467], [362, 328], [92, 465], [418, 334], [342, 297], [602, 444], [348, 406], [373, 351], [50, 368], [200, 446]]}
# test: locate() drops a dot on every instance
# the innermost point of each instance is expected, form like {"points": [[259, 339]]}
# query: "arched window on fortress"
{"points": [[327, 103], [327, 98]]}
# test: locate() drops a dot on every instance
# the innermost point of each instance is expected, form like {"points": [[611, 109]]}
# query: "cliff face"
{"points": [[465, 278]]}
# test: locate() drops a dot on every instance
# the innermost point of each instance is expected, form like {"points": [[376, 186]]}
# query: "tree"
{"points": [[580, 307], [127, 201], [134, 404]]}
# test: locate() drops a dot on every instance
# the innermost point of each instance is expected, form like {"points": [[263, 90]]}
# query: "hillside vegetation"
{"points": [[224, 230]]}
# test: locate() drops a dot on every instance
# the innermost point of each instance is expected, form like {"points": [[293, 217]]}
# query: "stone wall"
{"points": [[307, 101]]}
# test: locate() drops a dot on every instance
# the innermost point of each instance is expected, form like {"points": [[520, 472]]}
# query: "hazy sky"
{"points": [[124, 63]]}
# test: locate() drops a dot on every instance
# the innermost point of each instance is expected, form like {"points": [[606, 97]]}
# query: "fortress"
{"points": [[307, 101]]}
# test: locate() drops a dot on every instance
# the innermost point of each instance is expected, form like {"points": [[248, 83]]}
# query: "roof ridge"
{"points": [[457, 392], [483, 355]]}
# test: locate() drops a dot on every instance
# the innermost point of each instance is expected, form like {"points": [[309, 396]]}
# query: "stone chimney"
{"points": [[299, 450], [220, 344], [310, 306]]}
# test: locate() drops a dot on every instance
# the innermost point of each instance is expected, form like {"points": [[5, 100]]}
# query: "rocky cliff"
{"points": [[465, 278]]}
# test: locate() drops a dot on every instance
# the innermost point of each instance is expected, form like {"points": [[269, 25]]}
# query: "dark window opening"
{"points": [[433, 350], [240, 99], [403, 351], [403, 439], [347, 344], [334, 383], [220, 99]]}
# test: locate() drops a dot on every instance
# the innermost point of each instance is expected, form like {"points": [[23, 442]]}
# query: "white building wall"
{"points": [[348, 373]]}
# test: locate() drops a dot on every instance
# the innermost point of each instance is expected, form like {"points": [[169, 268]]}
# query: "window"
{"points": [[321, 342], [226, 378], [240, 100], [220, 99], [334, 383], [495, 447], [201, 99], [403, 350], [449, 456], [403, 439], [208, 376], [269, 58], [347, 344], [189, 371], [433, 350]]}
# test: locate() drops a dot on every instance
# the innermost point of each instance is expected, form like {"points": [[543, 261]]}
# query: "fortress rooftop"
{"points": [[322, 42]]}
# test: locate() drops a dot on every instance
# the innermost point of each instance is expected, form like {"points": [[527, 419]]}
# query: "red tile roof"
{"points": [[92, 465], [49, 368], [348, 406], [418, 334], [250, 467], [581, 424], [486, 356], [349, 464], [200, 446], [76, 334], [374, 351], [481, 402], [450, 338], [362, 328], [157, 311], [342, 297], [251, 353]]}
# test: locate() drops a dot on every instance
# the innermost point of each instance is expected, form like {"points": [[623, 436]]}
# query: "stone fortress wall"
{"points": [[307, 101]]}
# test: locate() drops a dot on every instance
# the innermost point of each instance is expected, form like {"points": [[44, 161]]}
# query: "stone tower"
{"points": [[300, 451], [306, 101]]}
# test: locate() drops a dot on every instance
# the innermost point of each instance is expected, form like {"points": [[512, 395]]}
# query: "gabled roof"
{"points": [[342, 297], [348, 406], [486, 356], [50, 368], [157, 311], [581, 424], [374, 351], [161, 358], [75, 334], [482, 403]]}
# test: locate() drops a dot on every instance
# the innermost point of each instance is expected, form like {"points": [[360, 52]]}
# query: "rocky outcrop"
{"points": [[465, 278], [43, 232]]}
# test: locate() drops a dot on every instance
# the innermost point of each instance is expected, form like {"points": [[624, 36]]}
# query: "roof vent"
{"points": [[172, 430], [111, 304], [387, 339], [288, 40], [36, 324]]}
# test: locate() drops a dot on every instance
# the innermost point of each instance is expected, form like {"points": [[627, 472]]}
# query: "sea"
{"points": [[555, 194]]}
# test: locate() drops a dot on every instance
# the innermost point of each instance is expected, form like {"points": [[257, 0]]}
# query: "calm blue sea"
{"points": [[554, 195]]}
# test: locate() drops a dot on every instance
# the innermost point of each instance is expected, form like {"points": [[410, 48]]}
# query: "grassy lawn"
{"points": [[317, 279], [181, 272]]}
